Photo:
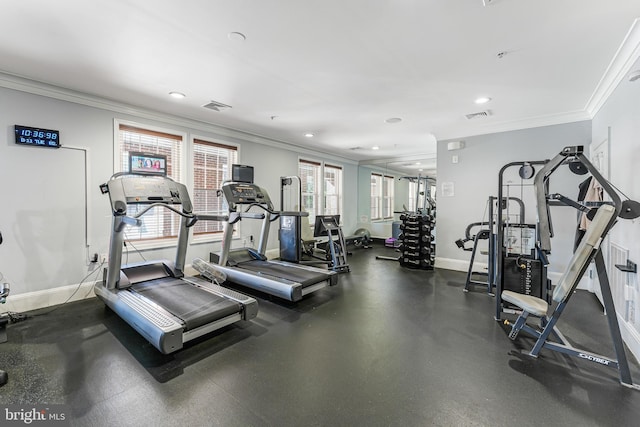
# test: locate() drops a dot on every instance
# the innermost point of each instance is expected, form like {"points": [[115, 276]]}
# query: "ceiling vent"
{"points": [[355, 148], [217, 106], [478, 115]]}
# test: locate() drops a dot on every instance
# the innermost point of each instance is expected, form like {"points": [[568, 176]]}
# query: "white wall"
{"points": [[475, 178], [43, 214], [620, 116]]}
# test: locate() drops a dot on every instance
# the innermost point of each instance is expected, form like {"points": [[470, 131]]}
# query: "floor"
{"points": [[387, 346]]}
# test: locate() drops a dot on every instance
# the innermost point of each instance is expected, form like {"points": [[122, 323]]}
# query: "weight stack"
{"points": [[417, 244]]}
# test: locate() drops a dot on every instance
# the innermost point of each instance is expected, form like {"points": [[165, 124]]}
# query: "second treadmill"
{"points": [[250, 268]]}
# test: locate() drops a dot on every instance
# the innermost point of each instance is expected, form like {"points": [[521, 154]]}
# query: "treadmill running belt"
{"points": [[195, 306], [293, 273]]}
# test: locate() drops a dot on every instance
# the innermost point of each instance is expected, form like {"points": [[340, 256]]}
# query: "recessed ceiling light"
{"points": [[417, 163], [308, 135], [375, 147], [420, 170], [177, 95], [482, 100], [393, 120], [236, 36]]}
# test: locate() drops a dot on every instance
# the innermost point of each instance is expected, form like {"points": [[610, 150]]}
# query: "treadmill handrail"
{"points": [[163, 205], [211, 217], [276, 214]]}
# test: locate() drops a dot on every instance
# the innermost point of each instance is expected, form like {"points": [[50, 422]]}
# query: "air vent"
{"points": [[217, 106], [478, 115], [355, 148]]}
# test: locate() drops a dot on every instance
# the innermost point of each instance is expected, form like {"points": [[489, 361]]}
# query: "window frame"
{"points": [[384, 201], [320, 195], [210, 236], [157, 242]]}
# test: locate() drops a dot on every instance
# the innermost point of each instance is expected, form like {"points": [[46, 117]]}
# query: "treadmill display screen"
{"points": [[241, 194], [242, 173]]}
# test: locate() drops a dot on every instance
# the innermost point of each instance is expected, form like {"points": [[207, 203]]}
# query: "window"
{"points": [[413, 187], [321, 188], [158, 223], [332, 190], [381, 196], [211, 166], [387, 197], [376, 196]]}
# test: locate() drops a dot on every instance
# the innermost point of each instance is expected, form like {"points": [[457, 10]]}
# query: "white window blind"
{"points": [[387, 197], [381, 196], [211, 167], [332, 190], [310, 178], [376, 196], [159, 223], [413, 187]]}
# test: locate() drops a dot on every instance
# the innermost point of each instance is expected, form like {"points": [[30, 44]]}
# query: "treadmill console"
{"points": [[242, 193], [139, 189]]}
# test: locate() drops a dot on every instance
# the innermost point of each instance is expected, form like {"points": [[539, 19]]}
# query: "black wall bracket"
{"points": [[629, 267]]}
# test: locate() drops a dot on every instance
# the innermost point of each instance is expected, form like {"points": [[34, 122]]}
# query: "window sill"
{"points": [[376, 221], [149, 245], [199, 240]]}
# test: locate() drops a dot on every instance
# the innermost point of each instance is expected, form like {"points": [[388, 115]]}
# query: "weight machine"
{"points": [[603, 218], [486, 232], [519, 266]]}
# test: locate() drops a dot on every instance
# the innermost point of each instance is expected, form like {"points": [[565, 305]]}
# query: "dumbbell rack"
{"points": [[417, 244]]}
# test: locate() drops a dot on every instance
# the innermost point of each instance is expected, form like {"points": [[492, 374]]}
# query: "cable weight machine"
{"points": [[519, 265], [487, 232]]}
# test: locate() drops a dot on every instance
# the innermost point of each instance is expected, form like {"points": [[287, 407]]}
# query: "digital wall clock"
{"points": [[37, 137]]}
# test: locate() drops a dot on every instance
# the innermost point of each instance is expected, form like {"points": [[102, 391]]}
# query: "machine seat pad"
{"points": [[528, 303], [195, 306]]}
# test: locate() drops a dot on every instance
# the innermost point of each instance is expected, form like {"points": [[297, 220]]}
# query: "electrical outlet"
{"points": [[104, 258]]}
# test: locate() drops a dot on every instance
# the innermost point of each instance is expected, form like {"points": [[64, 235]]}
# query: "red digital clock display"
{"points": [[37, 137]]}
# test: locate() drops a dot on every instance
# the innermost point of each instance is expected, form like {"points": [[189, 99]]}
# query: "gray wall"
{"points": [[43, 212], [620, 116], [475, 178]]}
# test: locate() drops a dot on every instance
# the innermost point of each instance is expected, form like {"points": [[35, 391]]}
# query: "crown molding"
{"points": [[620, 65], [22, 84], [515, 125]]}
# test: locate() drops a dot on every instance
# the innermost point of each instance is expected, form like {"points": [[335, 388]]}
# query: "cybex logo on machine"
{"points": [[50, 415], [599, 360]]}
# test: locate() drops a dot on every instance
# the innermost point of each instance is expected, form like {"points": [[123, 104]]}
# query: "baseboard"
{"points": [[46, 298], [631, 338], [49, 297], [453, 264]]}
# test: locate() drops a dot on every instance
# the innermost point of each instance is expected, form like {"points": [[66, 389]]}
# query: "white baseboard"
{"points": [[452, 264], [631, 338], [49, 297], [46, 298]]}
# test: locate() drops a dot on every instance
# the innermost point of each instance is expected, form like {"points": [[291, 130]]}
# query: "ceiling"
{"points": [[335, 68]]}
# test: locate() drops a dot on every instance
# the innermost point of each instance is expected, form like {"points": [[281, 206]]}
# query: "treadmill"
{"points": [[250, 268], [155, 297]]}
